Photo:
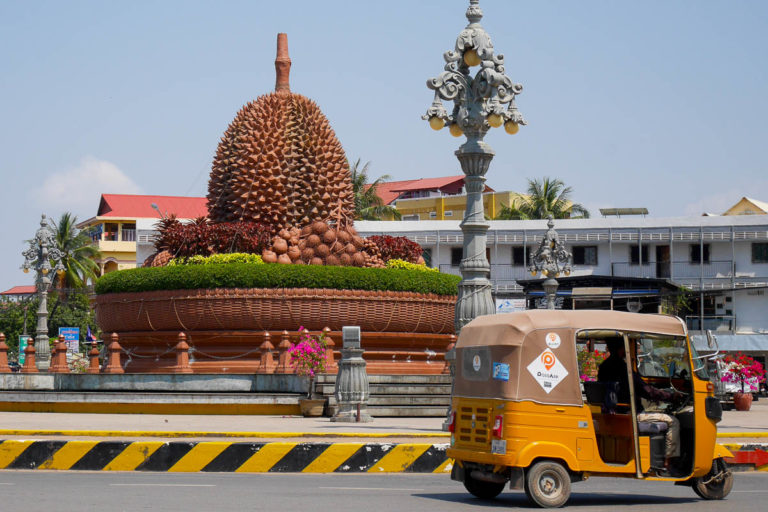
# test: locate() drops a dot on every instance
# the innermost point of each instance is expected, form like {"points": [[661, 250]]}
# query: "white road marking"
{"points": [[370, 489], [162, 485]]}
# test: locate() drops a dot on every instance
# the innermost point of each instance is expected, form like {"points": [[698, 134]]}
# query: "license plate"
{"points": [[499, 446]]}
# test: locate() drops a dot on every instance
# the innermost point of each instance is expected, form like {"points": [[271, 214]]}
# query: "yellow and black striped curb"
{"points": [[225, 456]]}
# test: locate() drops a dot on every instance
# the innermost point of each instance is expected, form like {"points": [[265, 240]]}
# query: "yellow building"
{"points": [[452, 206], [114, 228]]}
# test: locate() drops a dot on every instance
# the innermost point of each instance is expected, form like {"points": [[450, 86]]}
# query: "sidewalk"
{"points": [[211, 427]]}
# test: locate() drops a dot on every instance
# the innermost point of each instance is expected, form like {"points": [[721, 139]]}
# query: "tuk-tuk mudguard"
{"points": [[546, 450], [721, 452]]}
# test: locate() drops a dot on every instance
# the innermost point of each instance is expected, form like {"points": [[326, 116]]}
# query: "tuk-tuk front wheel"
{"points": [[548, 484], [716, 484], [482, 489]]}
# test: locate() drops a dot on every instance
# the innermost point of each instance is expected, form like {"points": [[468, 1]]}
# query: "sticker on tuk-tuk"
{"points": [[553, 340], [547, 370], [476, 363], [500, 371]]}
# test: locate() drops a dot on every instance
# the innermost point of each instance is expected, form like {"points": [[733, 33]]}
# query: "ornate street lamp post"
{"points": [[550, 259], [480, 102], [41, 253]]}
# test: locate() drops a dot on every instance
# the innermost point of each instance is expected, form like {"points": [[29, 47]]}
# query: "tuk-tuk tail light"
{"points": [[498, 426], [452, 424], [710, 388]]}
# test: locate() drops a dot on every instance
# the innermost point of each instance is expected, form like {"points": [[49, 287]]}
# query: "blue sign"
{"points": [[72, 337], [501, 371]]}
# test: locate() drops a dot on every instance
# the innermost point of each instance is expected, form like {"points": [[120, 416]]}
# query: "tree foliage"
{"points": [[545, 197], [368, 204], [79, 254]]}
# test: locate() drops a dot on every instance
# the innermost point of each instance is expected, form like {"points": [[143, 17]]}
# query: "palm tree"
{"points": [[545, 197], [368, 204], [79, 254]]}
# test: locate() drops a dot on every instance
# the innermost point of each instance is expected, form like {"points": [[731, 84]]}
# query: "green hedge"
{"points": [[242, 275]]}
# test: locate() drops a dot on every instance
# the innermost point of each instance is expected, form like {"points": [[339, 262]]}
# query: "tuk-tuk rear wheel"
{"points": [[716, 484], [481, 489], [548, 484]]}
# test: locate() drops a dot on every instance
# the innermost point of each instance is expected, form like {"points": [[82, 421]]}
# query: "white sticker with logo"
{"points": [[476, 363], [553, 340], [547, 370]]}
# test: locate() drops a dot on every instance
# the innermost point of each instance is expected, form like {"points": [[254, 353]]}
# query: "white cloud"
{"points": [[78, 189]]}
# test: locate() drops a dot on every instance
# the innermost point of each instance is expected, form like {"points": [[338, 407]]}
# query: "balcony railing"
{"points": [[675, 270], [711, 323], [129, 235]]}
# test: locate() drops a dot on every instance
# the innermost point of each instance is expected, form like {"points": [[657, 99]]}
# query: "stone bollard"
{"points": [[114, 350], [351, 390], [59, 357], [182, 355], [93, 355], [330, 358], [4, 368], [29, 360], [284, 358], [266, 363]]}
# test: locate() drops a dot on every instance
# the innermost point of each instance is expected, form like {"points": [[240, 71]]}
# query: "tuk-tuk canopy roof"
{"points": [[511, 328]]}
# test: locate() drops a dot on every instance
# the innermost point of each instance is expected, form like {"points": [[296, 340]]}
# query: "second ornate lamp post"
{"points": [[480, 102], [550, 259], [41, 253]]}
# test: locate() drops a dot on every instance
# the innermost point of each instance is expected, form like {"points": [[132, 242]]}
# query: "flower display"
{"points": [[589, 362], [308, 355], [744, 370]]}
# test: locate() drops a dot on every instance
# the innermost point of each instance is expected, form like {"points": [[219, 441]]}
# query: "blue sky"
{"points": [[656, 103]]}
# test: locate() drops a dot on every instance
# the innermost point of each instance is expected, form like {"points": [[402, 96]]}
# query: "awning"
{"points": [[733, 342]]}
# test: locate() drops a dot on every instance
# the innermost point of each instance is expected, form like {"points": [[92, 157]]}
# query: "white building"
{"points": [[721, 263]]}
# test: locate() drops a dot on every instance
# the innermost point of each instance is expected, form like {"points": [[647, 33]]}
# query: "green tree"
{"points": [[368, 204], [545, 197], [12, 316], [79, 254]]}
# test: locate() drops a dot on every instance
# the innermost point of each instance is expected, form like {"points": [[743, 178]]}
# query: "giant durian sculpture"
{"points": [[279, 162]]}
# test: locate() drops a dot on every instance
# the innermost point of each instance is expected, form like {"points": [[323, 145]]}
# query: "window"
{"points": [[518, 256], [456, 254], [129, 232], [432, 215], [411, 217], [760, 252], [448, 213], [634, 254], [585, 255], [696, 252]]}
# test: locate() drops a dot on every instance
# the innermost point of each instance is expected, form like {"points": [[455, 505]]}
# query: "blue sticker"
{"points": [[501, 371]]}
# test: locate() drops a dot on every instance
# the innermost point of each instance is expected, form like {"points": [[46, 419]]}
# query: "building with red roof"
{"points": [[18, 293], [121, 219]]}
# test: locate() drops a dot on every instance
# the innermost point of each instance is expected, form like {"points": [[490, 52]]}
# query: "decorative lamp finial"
{"points": [[474, 12], [282, 65]]}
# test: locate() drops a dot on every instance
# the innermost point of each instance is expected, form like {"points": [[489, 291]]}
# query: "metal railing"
{"points": [[675, 270]]}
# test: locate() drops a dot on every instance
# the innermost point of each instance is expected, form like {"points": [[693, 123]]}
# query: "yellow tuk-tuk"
{"points": [[524, 413]]}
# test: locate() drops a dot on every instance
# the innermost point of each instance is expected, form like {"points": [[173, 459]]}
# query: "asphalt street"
{"points": [[32, 491]]}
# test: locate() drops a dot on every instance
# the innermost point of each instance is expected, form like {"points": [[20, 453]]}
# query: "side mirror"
{"points": [[711, 340]]}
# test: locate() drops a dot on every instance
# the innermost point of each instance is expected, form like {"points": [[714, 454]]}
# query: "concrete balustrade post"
{"points": [[182, 355], [4, 368], [114, 351], [93, 357], [330, 357], [59, 357], [30, 365], [266, 363], [284, 358]]}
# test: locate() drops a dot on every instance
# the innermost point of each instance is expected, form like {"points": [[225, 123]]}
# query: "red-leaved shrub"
{"points": [[397, 247], [201, 238]]}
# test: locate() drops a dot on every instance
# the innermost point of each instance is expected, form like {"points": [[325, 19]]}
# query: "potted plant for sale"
{"points": [[308, 355], [746, 372]]}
